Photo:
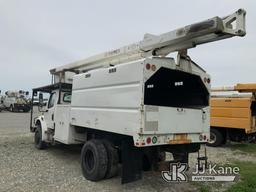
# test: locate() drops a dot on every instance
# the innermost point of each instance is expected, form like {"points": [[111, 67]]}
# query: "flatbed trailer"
{"points": [[233, 116]]}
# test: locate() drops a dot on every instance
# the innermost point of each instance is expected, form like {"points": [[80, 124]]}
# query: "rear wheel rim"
{"points": [[212, 138]]}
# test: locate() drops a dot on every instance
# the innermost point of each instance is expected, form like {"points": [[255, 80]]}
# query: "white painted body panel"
{"points": [[49, 115], [113, 102], [109, 99], [177, 120], [63, 132]]}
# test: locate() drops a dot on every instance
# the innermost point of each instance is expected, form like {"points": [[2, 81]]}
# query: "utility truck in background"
{"points": [[1, 102], [133, 104], [233, 116], [17, 101]]}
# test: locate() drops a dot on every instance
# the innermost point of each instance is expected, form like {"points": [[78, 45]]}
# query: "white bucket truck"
{"points": [[17, 101], [132, 104]]}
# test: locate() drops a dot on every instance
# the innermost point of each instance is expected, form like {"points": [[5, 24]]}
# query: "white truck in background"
{"points": [[1, 102], [17, 101], [132, 104]]}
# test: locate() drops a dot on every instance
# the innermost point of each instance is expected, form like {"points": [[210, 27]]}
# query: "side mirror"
{"points": [[41, 99]]}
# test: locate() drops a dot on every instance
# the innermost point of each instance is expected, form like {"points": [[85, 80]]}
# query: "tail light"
{"points": [[148, 66], [148, 140]]}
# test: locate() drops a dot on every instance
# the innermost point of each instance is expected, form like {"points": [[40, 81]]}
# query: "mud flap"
{"points": [[131, 161]]}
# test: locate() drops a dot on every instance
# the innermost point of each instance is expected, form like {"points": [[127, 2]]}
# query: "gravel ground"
{"points": [[24, 168]]}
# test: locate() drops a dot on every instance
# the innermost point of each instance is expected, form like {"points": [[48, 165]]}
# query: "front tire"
{"points": [[39, 143], [94, 160]]}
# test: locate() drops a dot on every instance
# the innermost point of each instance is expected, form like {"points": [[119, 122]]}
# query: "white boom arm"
{"points": [[161, 45]]}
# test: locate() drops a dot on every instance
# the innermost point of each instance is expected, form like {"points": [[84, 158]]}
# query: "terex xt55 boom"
{"points": [[132, 104]]}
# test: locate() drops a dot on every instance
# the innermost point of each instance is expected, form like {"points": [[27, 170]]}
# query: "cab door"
{"points": [[51, 105]]}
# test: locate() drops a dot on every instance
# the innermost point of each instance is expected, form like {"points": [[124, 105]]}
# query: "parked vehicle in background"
{"points": [[1, 102], [233, 117], [17, 101]]}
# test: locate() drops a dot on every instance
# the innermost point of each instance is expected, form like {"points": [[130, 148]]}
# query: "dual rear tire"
{"points": [[99, 160]]}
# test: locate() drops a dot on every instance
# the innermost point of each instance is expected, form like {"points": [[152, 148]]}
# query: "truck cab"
{"points": [[52, 116]]}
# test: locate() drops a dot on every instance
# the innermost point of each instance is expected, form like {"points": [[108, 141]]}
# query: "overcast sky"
{"points": [[39, 35]]}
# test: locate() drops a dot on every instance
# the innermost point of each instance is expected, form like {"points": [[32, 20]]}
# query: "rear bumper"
{"points": [[173, 126], [171, 139]]}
